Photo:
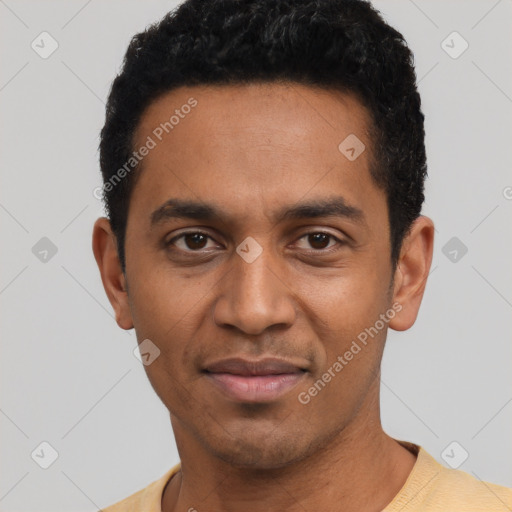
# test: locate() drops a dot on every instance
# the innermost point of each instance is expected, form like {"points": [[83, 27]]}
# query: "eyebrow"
{"points": [[186, 209]]}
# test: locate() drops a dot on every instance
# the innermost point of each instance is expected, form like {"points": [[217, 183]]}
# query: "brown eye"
{"points": [[320, 241], [193, 241]]}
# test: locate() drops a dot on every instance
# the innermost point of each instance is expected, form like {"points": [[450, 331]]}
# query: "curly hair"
{"points": [[335, 44]]}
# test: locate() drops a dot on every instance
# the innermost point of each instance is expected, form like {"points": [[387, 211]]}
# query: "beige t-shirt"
{"points": [[430, 487]]}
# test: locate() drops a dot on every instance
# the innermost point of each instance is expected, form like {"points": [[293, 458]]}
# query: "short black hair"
{"points": [[333, 44]]}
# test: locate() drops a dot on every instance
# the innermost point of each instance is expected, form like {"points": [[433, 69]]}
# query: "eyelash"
{"points": [[171, 242]]}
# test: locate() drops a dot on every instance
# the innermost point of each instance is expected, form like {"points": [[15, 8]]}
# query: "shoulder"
{"points": [[432, 487], [148, 499], [457, 488]]}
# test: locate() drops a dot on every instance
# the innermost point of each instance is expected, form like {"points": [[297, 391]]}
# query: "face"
{"points": [[257, 257]]}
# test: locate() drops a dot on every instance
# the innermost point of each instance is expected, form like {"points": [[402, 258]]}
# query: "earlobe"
{"points": [[412, 272], [114, 282]]}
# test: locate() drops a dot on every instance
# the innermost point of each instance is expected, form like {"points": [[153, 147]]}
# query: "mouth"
{"points": [[265, 380]]}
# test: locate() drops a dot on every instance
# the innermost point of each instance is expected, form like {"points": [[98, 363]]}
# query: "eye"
{"points": [[320, 241], [193, 241], [196, 241]]}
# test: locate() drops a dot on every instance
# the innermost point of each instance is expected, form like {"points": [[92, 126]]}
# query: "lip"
{"points": [[264, 380]]}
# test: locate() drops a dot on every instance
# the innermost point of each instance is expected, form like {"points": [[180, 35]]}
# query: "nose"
{"points": [[253, 296]]}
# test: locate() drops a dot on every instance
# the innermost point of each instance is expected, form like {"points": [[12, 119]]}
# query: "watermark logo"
{"points": [[44, 455], [44, 250], [454, 45], [454, 249], [146, 352], [351, 147], [454, 455], [44, 45], [249, 249]]}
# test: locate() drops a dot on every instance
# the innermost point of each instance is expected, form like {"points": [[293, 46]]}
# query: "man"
{"points": [[263, 167]]}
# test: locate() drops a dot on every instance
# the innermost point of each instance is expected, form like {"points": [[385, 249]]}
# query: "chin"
{"points": [[257, 459], [263, 450]]}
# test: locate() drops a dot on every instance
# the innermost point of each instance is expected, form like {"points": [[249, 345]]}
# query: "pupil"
{"points": [[197, 238], [319, 237]]}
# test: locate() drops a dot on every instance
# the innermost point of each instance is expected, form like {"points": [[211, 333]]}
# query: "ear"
{"points": [[412, 272], [104, 247]]}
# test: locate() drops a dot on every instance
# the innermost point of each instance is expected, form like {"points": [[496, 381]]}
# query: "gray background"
{"points": [[69, 376]]}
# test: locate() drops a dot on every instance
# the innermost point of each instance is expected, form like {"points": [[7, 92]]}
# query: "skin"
{"points": [[253, 150]]}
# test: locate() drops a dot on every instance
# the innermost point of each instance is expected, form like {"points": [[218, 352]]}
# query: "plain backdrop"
{"points": [[69, 377]]}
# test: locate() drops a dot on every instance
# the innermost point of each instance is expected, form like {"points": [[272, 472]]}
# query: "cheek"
{"points": [[169, 384], [168, 317], [343, 312], [343, 298], [161, 301]]}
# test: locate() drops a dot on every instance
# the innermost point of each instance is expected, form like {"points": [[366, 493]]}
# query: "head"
{"points": [[274, 212]]}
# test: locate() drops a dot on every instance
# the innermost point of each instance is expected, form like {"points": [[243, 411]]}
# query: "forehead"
{"points": [[287, 113], [252, 146]]}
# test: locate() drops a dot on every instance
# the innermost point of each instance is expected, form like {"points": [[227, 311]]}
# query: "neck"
{"points": [[362, 468]]}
